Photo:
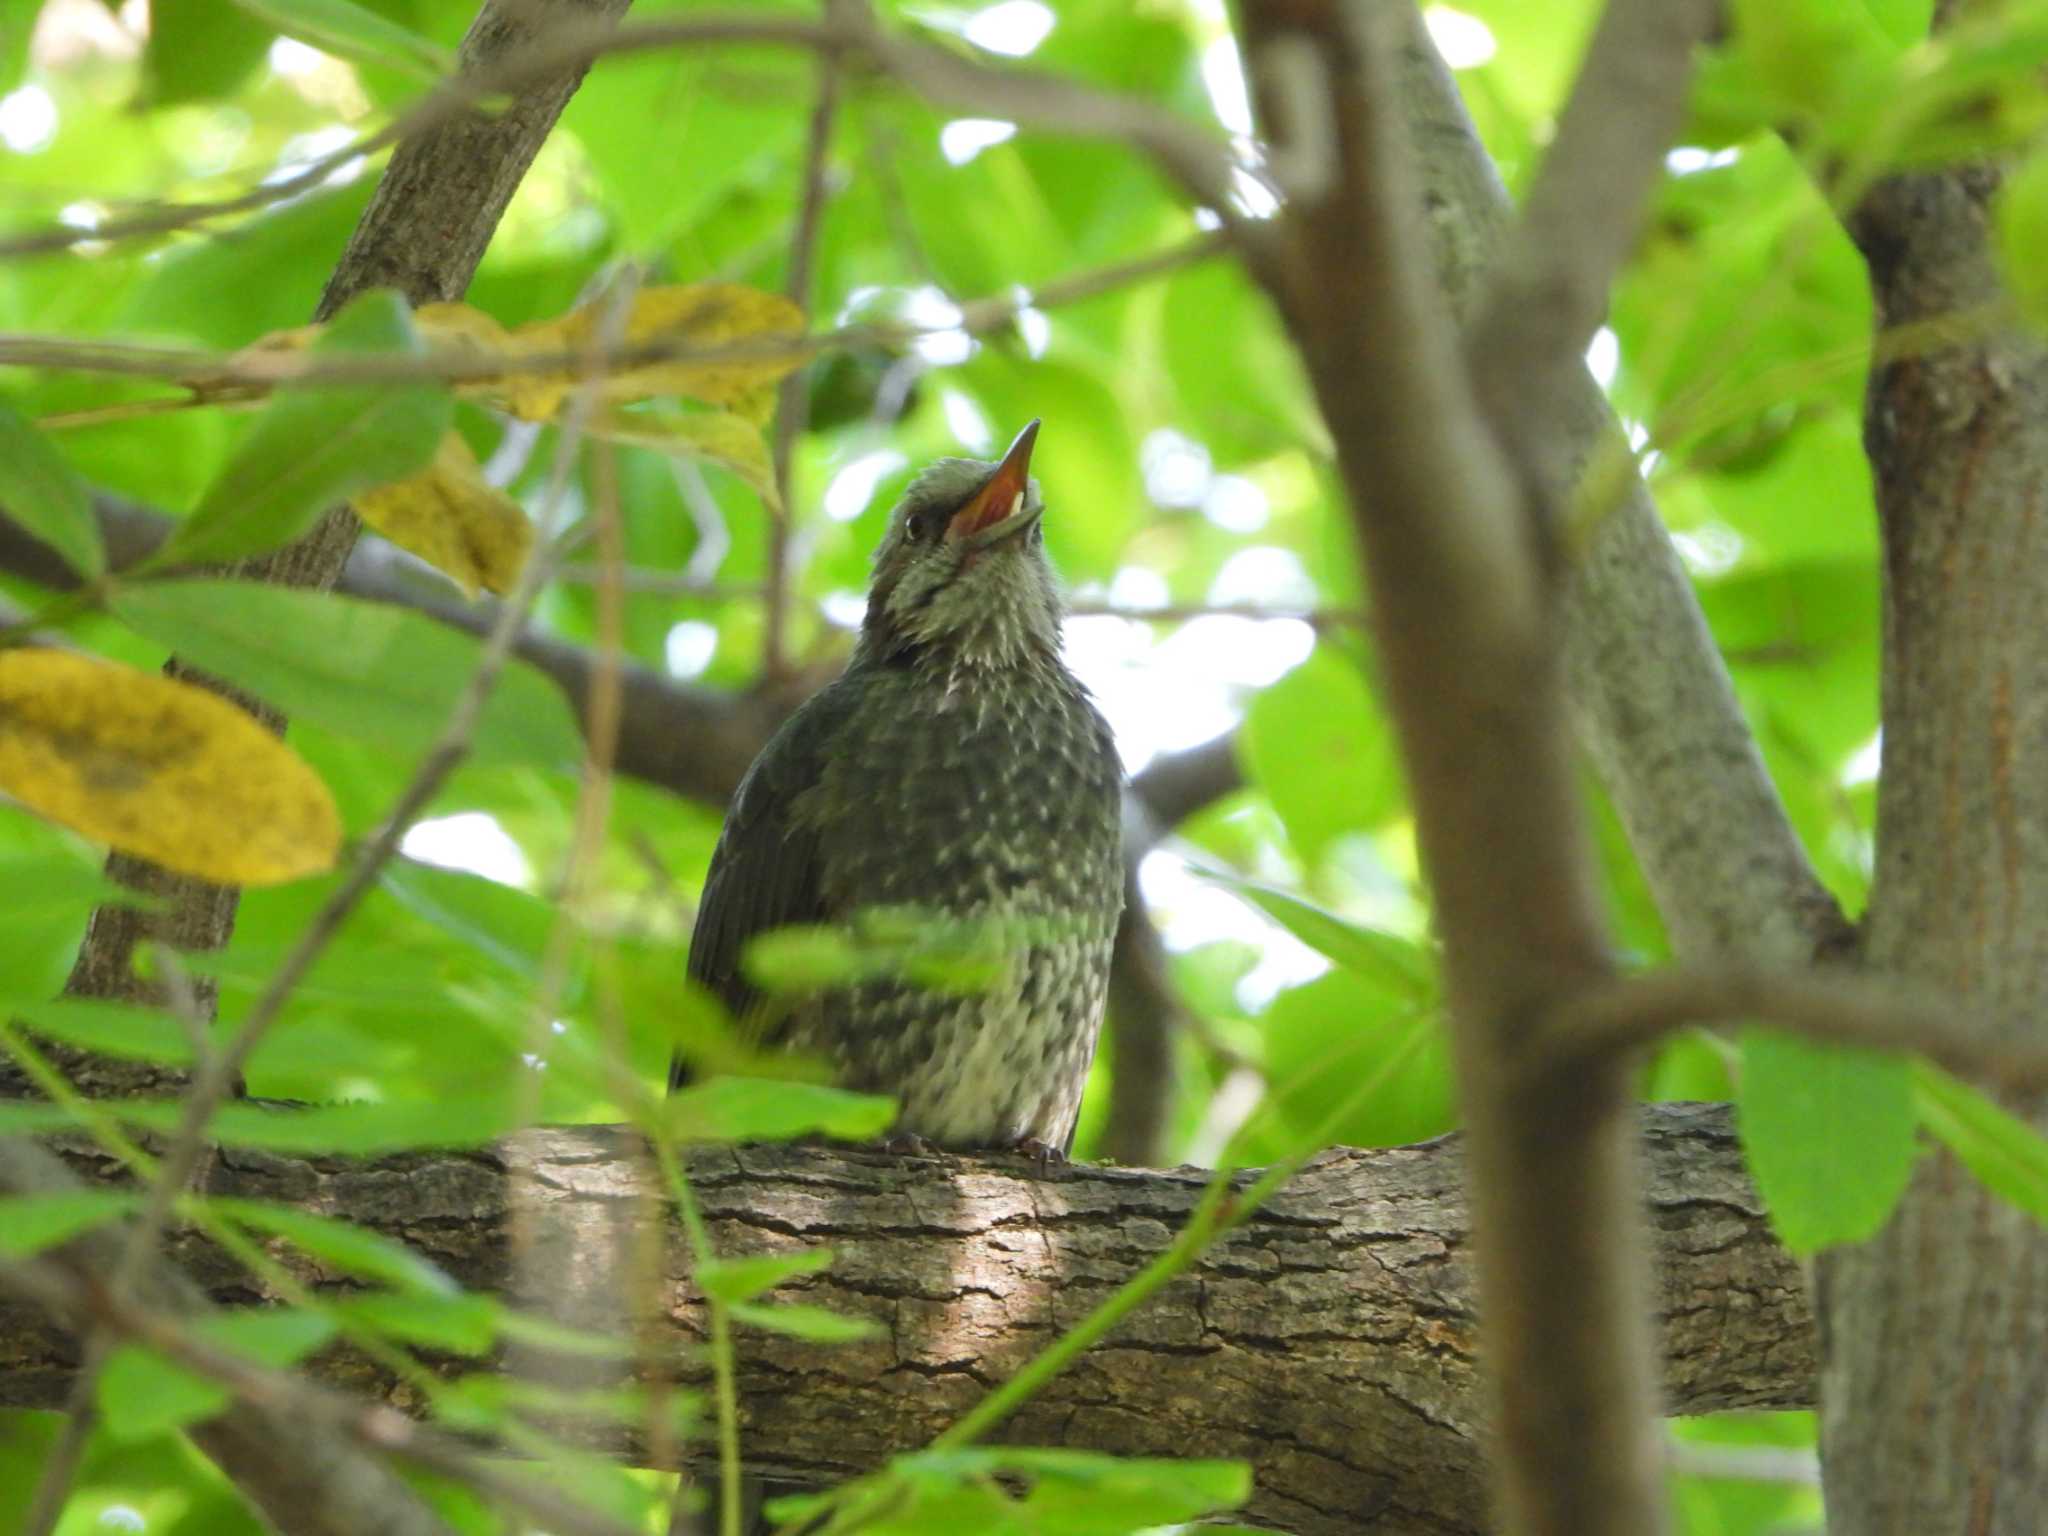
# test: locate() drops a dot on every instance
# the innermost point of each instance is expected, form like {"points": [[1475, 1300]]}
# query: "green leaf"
{"points": [[1324, 1039], [2008, 1156], [55, 883], [31, 1223], [143, 1395], [1317, 743], [1396, 964], [198, 50], [46, 496], [804, 1322], [739, 1280], [344, 1245], [1068, 1493], [363, 669], [2021, 223], [499, 921], [762, 1109], [314, 448], [465, 1324], [272, 1336], [126, 1030], [28, 1117], [804, 958], [360, 1129], [350, 32], [1829, 1136]]}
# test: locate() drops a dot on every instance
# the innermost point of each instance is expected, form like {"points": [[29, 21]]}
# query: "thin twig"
{"points": [[792, 406], [372, 1425], [217, 374], [1548, 289], [1876, 1013], [1788, 1464]]}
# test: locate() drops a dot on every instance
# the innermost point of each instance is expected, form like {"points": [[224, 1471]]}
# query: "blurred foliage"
{"points": [[1184, 463]]}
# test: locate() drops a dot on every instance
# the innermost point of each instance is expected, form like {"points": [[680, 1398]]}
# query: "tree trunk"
{"points": [[1935, 1333]]}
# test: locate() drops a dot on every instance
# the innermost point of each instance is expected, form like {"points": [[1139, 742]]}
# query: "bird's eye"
{"points": [[918, 526]]}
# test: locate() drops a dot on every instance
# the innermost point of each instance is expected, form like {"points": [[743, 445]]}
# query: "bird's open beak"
{"points": [[997, 510]]}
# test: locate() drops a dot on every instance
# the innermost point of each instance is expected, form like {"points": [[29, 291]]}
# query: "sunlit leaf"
{"points": [[160, 769], [1320, 747], [730, 441], [695, 317], [1400, 965]]}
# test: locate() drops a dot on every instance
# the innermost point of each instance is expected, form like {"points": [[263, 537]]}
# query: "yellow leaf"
{"points": [[699, 316], [458, 327], [160, 769], [731, 442], [454, 519]]}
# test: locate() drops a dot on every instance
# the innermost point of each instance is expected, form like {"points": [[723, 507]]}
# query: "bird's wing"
{"points": [[764, 872]]}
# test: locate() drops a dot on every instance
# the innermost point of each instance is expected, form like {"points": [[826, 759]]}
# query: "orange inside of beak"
{"points": [[1001, 495]]}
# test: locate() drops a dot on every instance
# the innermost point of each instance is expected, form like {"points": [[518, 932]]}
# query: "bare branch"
{"points": [[1838, 1007], [794, 400], [1548, 289]]}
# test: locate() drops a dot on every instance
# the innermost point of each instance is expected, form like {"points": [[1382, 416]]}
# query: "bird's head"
{"points": [[962, 570]]}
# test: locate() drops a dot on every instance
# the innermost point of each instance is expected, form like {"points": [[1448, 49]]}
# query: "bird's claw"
{"points": [[1043, 1153], [908, 1144]]}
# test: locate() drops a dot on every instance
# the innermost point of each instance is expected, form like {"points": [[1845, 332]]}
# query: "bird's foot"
{"points": [[908, 1144], [1043, 1153]]}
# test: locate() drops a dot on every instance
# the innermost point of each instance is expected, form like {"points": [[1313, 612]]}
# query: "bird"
{"points": [[957, 769]]}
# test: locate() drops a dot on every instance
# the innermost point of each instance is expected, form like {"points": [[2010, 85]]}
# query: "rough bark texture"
{"points": [[1936, 1384], [433, 213], [1329, 1342]]}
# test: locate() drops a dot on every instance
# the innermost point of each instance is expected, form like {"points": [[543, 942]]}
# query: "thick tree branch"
{"points": [[1650, 695], [1330, 1341]]}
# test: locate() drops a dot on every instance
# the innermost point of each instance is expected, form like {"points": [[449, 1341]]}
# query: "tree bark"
{"points": [[1329, 1342], [1936, 1380]]}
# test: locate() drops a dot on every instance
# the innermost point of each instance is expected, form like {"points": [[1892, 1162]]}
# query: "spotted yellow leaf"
{"points": [[160, 769], [698, 316], [454, 519], [719, 437]]}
